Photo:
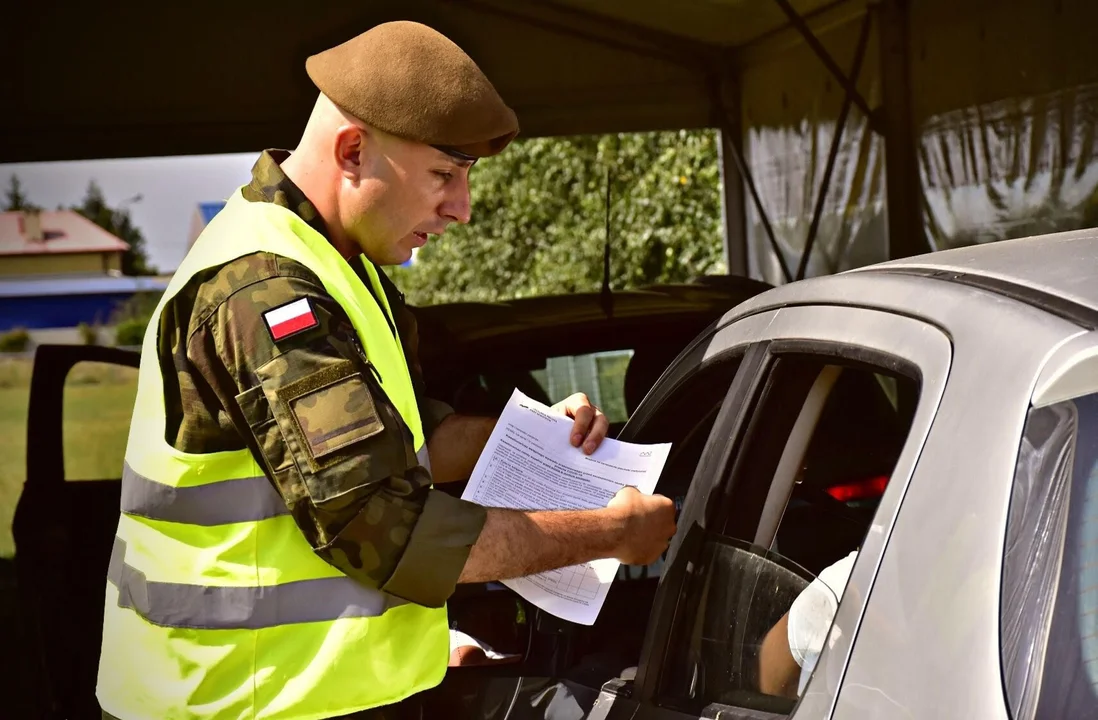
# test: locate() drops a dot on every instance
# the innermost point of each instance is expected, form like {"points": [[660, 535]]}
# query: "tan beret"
{"points": [[413, 82]]}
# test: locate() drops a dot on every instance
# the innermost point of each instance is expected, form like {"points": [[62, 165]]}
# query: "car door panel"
{"points": [[933, 616], [63, 535]]}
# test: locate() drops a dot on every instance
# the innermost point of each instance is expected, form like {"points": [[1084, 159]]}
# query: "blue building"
{"points": [[203, 214], [58, 270], [40, 303]]}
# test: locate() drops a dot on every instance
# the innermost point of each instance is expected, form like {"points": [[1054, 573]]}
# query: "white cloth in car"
{"points": [[811, 614]]}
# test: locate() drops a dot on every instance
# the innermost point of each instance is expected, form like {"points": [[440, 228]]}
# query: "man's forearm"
{"points": [[455, 446], [514, 543]]}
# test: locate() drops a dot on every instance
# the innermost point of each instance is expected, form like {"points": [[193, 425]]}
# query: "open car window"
{"points": [[765, 576], [96, 407]]}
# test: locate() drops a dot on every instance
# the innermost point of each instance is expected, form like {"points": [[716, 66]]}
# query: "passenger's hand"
{"points": [[590, 426], [647, 522]]}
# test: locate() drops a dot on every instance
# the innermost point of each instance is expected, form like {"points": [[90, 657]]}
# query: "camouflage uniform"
{"points": [[338, 454]]}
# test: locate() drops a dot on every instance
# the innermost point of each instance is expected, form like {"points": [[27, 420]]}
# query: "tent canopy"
{"points": [[210, 77], [830, 110]]}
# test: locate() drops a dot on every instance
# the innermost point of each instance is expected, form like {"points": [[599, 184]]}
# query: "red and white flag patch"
{"points": [[290, 319]]}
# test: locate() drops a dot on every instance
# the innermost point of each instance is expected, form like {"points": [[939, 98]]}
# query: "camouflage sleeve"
{"points": [[335, 448], [432, 411]]}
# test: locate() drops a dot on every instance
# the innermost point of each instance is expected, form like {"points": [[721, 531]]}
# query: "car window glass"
{"points": [[97, 405], [821, 444], [601, 376], [1049, 603], [684, 419]]}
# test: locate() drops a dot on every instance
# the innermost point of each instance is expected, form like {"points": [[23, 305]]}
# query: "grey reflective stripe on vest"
{"points": [[242, 608], [423, 458], [221, 503]]}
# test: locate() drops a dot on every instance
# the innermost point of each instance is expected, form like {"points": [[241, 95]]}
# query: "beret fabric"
{"points": [[413, 82]]}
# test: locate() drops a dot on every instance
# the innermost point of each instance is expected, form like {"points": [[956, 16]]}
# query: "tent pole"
{"points": [[829, 62], [906, 229], [833, 153], [730, 127], [733, 209]]}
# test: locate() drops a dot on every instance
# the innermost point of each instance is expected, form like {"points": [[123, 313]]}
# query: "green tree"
{"points": [[14, 199], [135, 261], [539, 219]]}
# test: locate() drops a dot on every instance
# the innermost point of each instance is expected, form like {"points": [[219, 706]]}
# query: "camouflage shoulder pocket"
{"points": [[328, 410]]}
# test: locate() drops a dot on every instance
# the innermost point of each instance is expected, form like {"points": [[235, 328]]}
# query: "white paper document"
{"points": [[530, 464]]}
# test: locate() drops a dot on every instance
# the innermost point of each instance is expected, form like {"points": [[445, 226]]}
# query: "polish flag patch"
{"points": [[290, 319]]}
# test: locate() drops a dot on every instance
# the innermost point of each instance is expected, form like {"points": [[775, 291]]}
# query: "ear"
{"points": [[350, 147]]}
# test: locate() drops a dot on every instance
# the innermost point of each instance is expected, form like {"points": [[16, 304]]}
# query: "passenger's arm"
{"points": [[778, 671]]}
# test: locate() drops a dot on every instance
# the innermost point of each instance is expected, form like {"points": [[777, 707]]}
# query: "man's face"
{"points": [[404, 193]]}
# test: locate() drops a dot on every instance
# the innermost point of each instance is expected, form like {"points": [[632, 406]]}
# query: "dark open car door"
{"points": [[63, 529]]}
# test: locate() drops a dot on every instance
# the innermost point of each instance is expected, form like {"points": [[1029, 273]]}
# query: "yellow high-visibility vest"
{"points": [[216, 605]]}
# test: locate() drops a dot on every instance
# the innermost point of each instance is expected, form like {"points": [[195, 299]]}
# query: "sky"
{"points": [[171, 189]]}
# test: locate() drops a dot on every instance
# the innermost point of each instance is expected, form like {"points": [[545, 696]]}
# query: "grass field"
{"points": [[96, 416]]}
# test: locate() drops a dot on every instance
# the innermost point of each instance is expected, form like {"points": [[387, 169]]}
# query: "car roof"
{"points": [[466, 322], [1062, 265]]}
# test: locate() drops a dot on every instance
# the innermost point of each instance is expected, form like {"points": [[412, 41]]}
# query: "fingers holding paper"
{"points": [[590, 426]]}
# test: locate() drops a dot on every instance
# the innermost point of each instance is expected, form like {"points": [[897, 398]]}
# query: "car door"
{"points": [[81, 398], [805, 467]]}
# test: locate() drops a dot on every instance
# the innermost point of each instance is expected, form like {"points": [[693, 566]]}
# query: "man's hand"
{"points": [[590, 426], [647, 522], [633, 528]]}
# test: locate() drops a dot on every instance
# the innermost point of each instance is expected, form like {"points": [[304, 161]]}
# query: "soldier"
{"points": [[281, 551]]}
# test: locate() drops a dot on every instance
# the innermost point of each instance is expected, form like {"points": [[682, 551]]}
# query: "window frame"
{"points": [[852, 333]]}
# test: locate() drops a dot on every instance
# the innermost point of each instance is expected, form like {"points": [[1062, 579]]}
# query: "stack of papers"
{"points": [[530, 464]]}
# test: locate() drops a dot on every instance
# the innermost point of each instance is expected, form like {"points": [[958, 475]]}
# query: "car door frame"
{"points": [[50, 514], [847, 332]]}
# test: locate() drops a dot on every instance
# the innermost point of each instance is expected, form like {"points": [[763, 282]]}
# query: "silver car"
{"points": [[956, 397], [934, 420]]}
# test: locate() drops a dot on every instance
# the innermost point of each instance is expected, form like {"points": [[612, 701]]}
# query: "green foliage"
{"points": [[135, 261], [539, 218], [89, 334], [14, 199], [131, 332], [16, 340], [132, 317], [139, 306]]}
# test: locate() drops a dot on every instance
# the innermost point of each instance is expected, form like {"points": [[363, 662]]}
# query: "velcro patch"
{"points": [[290, 319], [335, 415]]}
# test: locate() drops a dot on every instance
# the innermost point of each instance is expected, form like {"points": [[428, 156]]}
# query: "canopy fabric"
{"points": [[85, 81]]}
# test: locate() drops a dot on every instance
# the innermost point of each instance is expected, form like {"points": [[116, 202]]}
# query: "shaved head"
{"points": [[378, 194]]}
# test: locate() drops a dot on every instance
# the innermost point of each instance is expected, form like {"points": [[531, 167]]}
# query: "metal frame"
{"points": [[893, 119], [836, 141], [850, 82]]}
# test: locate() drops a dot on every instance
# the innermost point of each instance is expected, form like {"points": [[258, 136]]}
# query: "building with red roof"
{"points": [[58, 242], [59, 270]]}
